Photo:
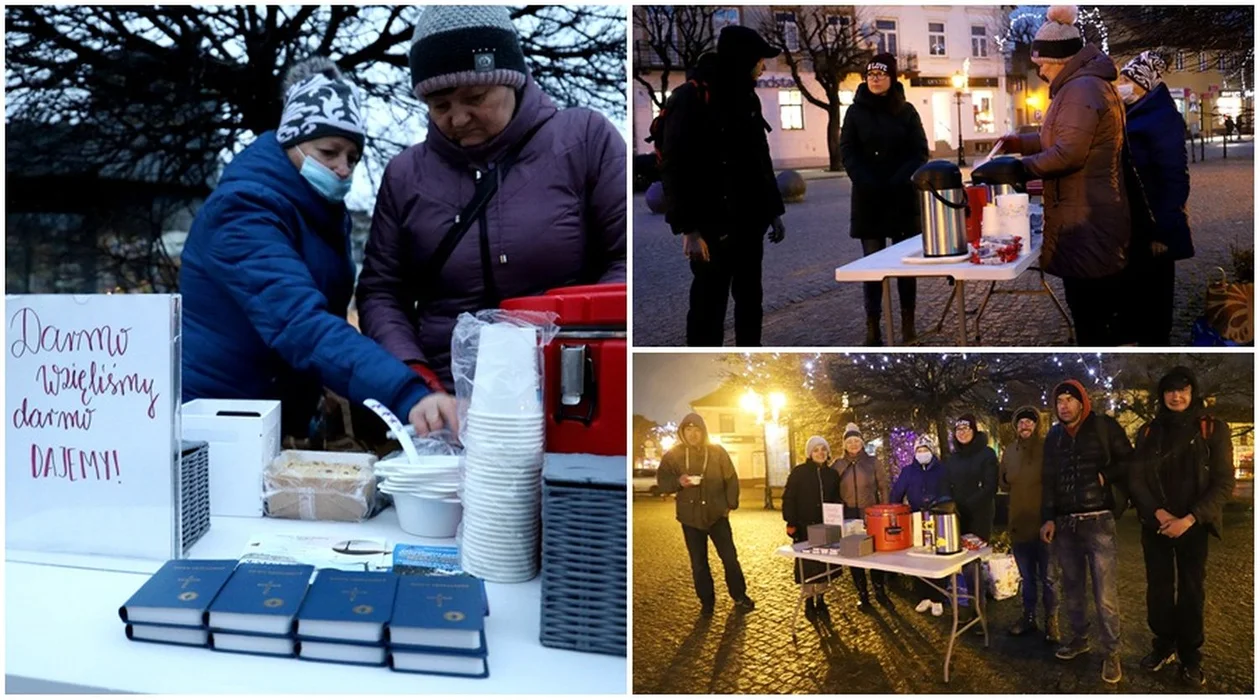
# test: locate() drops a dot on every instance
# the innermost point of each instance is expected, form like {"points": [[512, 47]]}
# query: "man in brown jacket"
{"points": [[1078, 156], [708, 490], [1020, 475]]}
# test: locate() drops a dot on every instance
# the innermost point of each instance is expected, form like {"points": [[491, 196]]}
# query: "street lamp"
{"points": [[754, 403], [960, 81]]}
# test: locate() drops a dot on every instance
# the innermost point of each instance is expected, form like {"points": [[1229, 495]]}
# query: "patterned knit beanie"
{"points": [[318, 102], [1145, 69], [458, 46], [926, 440], [1058, 40]]}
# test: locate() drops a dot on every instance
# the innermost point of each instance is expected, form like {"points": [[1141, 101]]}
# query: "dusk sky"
{"points": [[665, 384]]}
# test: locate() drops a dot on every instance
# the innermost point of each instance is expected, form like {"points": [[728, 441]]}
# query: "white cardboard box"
{"points": [[241, 446]]}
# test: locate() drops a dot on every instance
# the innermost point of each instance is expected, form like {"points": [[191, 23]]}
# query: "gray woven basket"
{"points": [[194, 493], [584, 553]]}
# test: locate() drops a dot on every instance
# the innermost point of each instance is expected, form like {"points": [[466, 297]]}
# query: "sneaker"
{"points": [[1157, 659], [1072, 649], [745, 605], [1052, 630], [1193, 676], [923, 606], [881, 597], [1025, 625], [937, 609], [1111, 669]]}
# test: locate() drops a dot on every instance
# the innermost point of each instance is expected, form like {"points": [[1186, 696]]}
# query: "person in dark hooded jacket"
{"points": [[973, 474], [267, 275], [704, 478], [719, 185], [882, 143], [1086, 455], [808, 487], [1020, 475], [972, 471], [1154, 129], [1183, 473], [1078, 156]]}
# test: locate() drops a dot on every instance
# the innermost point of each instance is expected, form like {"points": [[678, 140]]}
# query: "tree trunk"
{"points": [[833, 133]]}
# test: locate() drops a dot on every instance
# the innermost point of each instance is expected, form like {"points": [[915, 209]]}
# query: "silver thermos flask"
{"points": [[943, 208]]}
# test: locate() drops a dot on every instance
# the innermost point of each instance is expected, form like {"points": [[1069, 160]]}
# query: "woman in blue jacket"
{"points": [[267, 274], [921, 484], [1156, 137]]}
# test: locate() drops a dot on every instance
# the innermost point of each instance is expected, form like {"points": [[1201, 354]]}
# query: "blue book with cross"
{"points": [[179, 594], [261, 599], [439, 626], [348, 606]]}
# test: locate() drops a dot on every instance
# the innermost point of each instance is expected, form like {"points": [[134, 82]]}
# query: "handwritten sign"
{"points": [[833, 513], [91, 402]]}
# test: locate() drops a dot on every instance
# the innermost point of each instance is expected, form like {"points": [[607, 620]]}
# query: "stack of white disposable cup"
{"points": [[502, 473]]}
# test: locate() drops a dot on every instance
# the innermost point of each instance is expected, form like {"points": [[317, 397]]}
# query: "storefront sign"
{"points": [[91, 400], [777, 81], [947, 82]]}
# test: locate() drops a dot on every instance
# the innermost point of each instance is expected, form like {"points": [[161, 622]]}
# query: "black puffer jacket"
{"points": [[715, 160], [881, 144], [1074, 459], [973, 473]]}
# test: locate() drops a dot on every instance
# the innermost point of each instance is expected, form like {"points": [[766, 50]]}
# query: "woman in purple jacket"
{"points": [[558, 216]]}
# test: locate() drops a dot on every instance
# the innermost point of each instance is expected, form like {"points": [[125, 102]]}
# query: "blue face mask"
{"points": [[325, 181]]}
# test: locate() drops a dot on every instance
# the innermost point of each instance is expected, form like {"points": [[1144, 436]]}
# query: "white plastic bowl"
{"points": [[428, 517]]}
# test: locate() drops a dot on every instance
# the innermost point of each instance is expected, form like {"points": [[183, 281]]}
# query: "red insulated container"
{"points": [[889, 525], [977, 197], [584, 368]]}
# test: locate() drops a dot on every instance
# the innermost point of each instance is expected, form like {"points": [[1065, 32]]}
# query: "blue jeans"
{"points": [[1089, 543], [1033, 560]]}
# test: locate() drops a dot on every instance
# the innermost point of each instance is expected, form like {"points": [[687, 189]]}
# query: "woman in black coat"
{"points": [[882, 143], [809, 485]]}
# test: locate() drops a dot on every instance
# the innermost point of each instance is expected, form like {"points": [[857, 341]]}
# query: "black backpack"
{"points": [[656, 131]]}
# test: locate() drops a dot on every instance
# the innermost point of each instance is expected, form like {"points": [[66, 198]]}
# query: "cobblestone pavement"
{"points": [[902, 651], [806, 307]]}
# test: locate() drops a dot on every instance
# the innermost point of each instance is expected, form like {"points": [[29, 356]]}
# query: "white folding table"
{"points": [[887, 263], [923, 567]]}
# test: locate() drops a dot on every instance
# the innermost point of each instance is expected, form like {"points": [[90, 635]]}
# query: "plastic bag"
{"points": [[466, 343], [497, 365], [1001, 576]]}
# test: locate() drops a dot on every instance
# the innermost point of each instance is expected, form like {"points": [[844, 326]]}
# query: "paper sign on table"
{"points": [[833, 513], [92, 406]]}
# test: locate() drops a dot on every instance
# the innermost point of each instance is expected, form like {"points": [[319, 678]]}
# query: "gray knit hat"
{"points": [[813, 442], [1058, 40], [462, 45], [851, 430], [318, 102], [1145, 69]]}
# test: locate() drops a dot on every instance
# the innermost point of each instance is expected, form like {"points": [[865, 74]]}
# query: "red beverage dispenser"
{"points": [[584, 368]]}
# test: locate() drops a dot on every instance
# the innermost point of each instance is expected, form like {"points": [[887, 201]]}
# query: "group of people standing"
{"points": [[1067, 489], [507, 196], [1110, 154]]}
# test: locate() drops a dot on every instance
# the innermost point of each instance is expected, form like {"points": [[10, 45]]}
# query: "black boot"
{"points": [[908, 335], [864, 601], [820, 609], [811, 614], [873, 338], [881, 597]]}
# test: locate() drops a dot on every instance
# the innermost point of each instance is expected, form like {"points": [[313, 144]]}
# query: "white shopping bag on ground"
{"points": [[1001, 576]]}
